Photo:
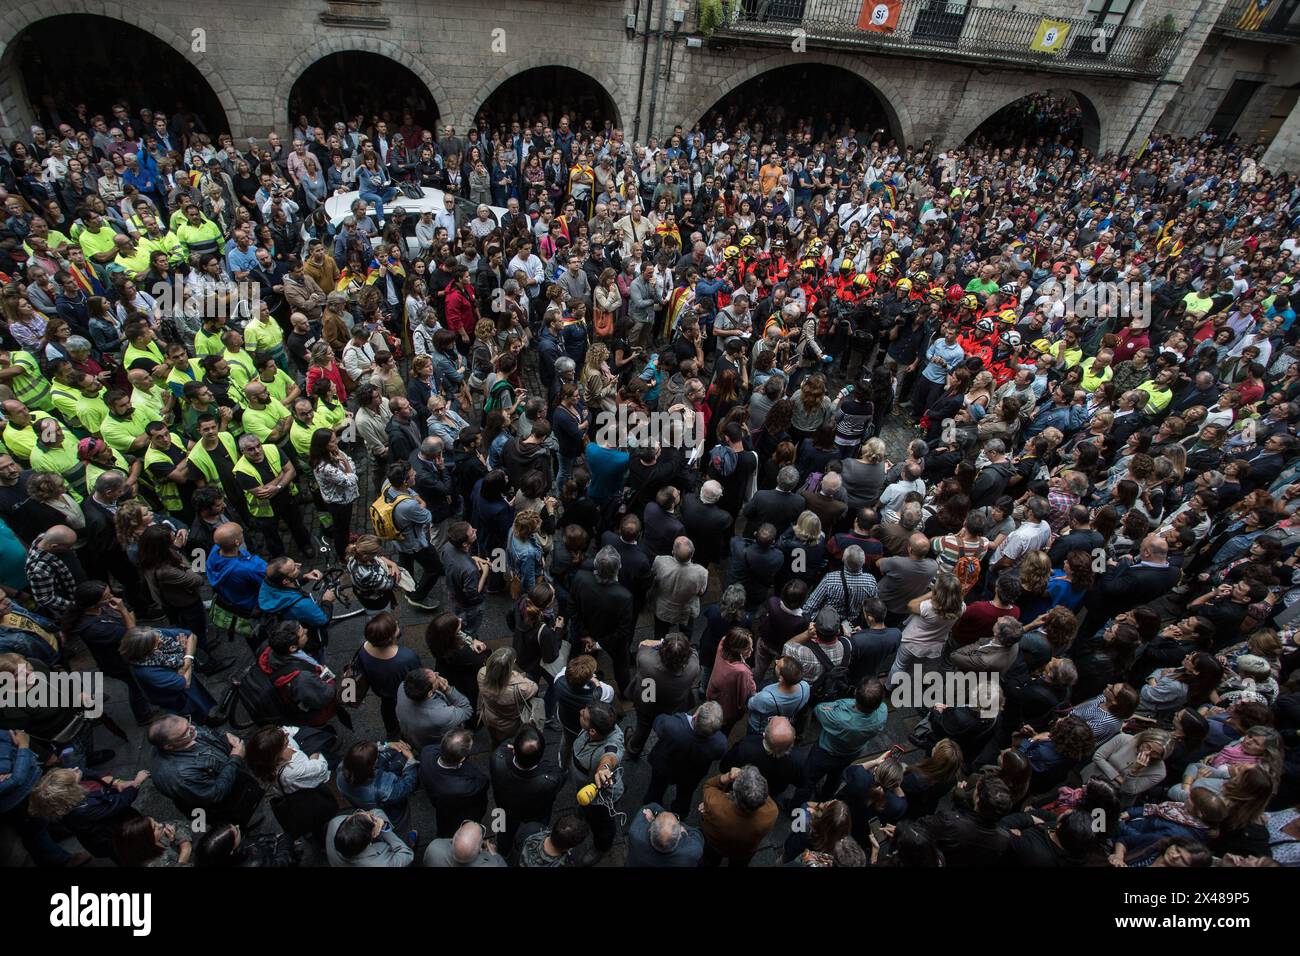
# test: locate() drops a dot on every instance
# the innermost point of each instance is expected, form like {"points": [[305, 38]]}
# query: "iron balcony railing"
{"points": [[1249, 19], [962, 31]]}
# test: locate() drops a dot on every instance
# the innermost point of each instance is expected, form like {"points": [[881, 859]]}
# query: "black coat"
{"points": [[778, 508], [457, 794], [708, 527]]}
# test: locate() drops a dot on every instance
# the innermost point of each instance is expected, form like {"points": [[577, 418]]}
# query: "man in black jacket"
{"points": [[707, 524], [772, 753], [992, 481], [686, 747], [663, 524], [755, 564], [635, 572], [1129, 584], [523, 786], [435, 482], [1080, 536], [403, 432], [457, 788], [973, 837], [778, 506], [602, 614]]}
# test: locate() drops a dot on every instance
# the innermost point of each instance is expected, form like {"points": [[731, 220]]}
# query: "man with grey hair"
{"points": [[738, 813], [829, 502], [658, 838], [992, 479], [762, 400], [707, 523], [906, 577], [196, 767], [686, 747], [845, 590], [992, 656], [778, 506], [909, 481], [270, 493], [1032, 534], [678, 584], [603, 614]]}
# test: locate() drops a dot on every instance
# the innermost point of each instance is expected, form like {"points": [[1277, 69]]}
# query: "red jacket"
{"points": [[461, 310]]}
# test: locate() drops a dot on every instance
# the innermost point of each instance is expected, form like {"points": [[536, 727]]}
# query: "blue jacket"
{"points": [[390, 788], [291, 604], [166, 689], [237, 580], [641, 853], [19, 772]]}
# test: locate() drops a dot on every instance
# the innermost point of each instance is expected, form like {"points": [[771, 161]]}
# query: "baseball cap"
{"points": [[827, 623]]}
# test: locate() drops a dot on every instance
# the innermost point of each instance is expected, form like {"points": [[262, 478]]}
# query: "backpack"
{"points": [[383, 516], [833, 683], [967, 571], [494, 398], [604, 322]]}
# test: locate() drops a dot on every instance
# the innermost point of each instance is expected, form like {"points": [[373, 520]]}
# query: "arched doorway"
{"points": [[550, 91], [120, 70], [351, 83], [817, 97], [1047, 118]]}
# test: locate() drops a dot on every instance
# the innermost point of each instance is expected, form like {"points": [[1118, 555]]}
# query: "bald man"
{"points": [[905, 577], [1129, 583], [678, 584], [236, 575], [53, 571], [772, 753], [658, 838], [466, 847]]}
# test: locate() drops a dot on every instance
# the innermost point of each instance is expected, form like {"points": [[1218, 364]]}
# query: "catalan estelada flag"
{"points": [[1256, 12], [880, 16], [1050, 35]]}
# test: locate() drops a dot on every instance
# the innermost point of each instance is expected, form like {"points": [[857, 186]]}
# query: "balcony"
{"points": [[957, 31], [1275, 24]]}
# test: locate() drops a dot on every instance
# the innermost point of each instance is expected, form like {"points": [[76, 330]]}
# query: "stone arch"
{"points": [[902, 125], [344, 43], [1094, 130], [15, 113], [542, 58]]}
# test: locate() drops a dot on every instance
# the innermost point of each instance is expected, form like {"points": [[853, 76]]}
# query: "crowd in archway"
{"points": [[957, 492]]}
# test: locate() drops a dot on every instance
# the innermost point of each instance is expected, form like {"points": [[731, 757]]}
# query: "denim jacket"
{"points": [[391, 787]]}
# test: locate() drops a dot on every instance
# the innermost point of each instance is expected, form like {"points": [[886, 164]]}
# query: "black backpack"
{"points": [[834, 682]]}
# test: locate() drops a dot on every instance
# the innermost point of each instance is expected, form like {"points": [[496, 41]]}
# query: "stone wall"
{"points": [[255, 51]]}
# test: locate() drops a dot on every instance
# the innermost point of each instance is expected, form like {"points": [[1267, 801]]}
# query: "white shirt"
{"points": [[532, 268], [1029, 536]]}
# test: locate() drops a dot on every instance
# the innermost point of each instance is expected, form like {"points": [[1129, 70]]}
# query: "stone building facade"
{"points": [[1180, 61]]}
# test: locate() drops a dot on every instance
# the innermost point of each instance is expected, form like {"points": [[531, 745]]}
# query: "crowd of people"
{"points": [[710, 452]]}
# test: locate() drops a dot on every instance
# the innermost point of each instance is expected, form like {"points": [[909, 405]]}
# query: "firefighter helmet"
{"points": [[1008, 315], [1009, 288], [862, 280], [846, 265], [969, 301], [904, 285], [808, 265], [730, 252], [1010, 338], [954, 294], [778, 243], [888, 271], [747, 241], [1041, 345], [936, 294], [922, 276], [984, 325]]}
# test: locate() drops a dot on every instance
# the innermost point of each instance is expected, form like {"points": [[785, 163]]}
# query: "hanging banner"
{"points": [[1050, 36], [880, 16], [1256, 12]]}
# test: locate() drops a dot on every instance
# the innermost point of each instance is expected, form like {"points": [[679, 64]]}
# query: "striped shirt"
{"points": [[843, 590]]}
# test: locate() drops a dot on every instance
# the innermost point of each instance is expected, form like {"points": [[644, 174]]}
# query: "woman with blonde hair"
{"points": [[980, 391], [374, 576], [928, 781], [503, 693], [864, 476], [89, 805], [804, 538], [1035, 571], [444, 422], [932, 617], [599, 384]]}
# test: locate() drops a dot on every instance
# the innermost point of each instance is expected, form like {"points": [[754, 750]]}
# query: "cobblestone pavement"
{"points": [[132, 755]]}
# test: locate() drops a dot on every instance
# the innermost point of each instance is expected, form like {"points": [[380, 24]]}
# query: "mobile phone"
{"points": [[876, 830]]}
